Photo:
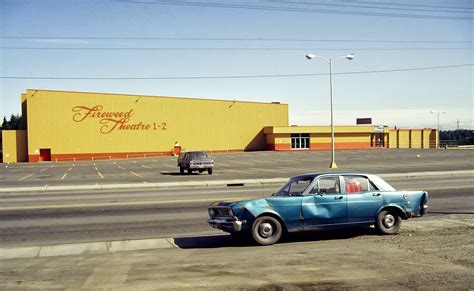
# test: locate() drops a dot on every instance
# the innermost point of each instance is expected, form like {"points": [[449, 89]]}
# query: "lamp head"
{"points": [[350, 56], [310, 56]]}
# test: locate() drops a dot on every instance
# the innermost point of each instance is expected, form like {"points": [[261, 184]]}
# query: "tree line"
{"points": [[12, 124], [463, 136]]}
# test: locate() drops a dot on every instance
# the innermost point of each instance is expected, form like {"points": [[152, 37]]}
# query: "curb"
{"points": [[205, 184], [88, 248]]}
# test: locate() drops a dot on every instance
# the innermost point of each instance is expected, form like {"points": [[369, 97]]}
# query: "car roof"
{"points": [[314, 175]]}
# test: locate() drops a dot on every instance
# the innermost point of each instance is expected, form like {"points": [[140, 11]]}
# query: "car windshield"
{"points": [[198, 155], [295, 187]]}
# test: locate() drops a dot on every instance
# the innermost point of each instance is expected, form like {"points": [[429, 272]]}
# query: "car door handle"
{"points": [[376, 194], [338, 197]]}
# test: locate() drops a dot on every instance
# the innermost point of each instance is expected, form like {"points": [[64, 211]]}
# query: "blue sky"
{"points": [[402, 99]]}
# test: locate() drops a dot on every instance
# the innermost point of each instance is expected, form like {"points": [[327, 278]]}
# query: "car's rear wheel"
{"points": [[209, 171], [181, 170], [266, 230], [388, 222], [190, 171]]}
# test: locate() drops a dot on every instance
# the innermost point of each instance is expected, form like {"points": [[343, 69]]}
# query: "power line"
{"points": [[233, 76], [231, 49], [229, 39], [413, 5], [290, 9], [346, 5]]}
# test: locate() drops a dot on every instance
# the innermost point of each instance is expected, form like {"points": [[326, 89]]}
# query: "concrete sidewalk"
{"points": [[203, 184], [427, 223]]}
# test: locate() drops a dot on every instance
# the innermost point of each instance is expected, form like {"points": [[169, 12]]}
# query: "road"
{"points": [[66, 217]]}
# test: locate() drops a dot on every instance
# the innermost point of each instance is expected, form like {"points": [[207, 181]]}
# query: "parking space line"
{"points": [[169, 166], [114, 163], [64, 176], [26, 177], [270, 170], [237, 171], [96, 168], [243, 163], [154, 161], [143, 166], [221, 164], [17, 170], [138, 175], [120, 167], [69, 170], [100, 175], [42, 170], [266, 162], [134, 162]]}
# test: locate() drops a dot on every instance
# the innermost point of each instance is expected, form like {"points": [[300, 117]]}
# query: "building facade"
{"points": [[65, 126]]}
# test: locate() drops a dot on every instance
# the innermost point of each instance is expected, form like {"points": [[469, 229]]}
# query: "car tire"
{"points": [[266, 230], [388, 222], [209, 171], [181, 170], [190, 171]]}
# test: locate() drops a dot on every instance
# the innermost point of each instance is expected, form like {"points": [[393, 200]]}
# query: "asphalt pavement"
{"points": [[231, 166]]}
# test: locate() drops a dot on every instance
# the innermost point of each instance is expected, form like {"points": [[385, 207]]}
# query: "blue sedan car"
{"points": [[317, 201]]}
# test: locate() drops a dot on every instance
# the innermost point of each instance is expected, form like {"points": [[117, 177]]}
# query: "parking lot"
{"points": [[245, 165]]}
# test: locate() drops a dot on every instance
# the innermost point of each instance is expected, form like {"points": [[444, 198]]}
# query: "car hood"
{"points": [[242, 203]]}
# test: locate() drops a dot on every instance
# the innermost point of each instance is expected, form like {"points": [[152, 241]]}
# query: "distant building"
{"points": [[68, 126]]}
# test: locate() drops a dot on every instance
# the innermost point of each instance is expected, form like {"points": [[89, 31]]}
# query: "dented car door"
{"points": [[324, 204]]}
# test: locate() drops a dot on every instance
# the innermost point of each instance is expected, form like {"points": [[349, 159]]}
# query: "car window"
{"points": [[356, 184], [296, 186], [197, 154], [380, 184], [327, 185]]}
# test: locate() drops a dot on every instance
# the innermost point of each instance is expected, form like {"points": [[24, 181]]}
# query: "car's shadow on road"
{"points": [[223, 241]]}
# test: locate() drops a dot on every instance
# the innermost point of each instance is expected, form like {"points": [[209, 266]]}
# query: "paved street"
{"points": [[232, 166], [67, 217]]}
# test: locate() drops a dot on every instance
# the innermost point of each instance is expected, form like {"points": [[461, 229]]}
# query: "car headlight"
{"points": [[211, 212]]}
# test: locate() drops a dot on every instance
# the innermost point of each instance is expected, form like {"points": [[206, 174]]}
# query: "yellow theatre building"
{"points": [[65, 126]]}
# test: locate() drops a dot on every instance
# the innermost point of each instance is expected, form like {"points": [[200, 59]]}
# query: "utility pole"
{"points": [[458, 123]]}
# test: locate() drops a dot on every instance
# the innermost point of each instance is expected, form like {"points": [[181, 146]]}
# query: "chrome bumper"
{"points": [[424, 210], [200, 167], [228, 225]]}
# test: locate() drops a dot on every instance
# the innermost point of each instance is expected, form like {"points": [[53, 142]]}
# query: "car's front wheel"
{"points": [[388, 222], [266, 230], [209, 171]]}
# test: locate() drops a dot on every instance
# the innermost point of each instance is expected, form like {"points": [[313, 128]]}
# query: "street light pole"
{"points": [[438, 113], [333, 155], [329, 60]]}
